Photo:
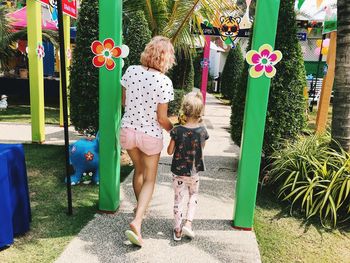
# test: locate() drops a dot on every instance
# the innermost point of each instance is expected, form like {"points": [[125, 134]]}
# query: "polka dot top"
{"points": [[145, 89]]}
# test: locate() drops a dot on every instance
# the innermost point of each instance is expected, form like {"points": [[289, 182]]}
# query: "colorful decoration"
{"points": [[40, 51], [69, 53], [106, 51], [229, 29], [205, 63], [319, 3], [53, 11], [84, 157], [300, 3], [263, 61], [324, 45]]}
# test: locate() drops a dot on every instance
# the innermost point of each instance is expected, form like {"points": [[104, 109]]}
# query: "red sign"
{"points": [[69, 7]]}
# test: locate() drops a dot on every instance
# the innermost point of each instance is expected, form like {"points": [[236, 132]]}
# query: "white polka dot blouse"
{"points": [[145, 89]]}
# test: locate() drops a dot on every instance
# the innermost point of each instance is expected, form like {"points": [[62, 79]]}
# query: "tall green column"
{"points": [[265, 27], [110, 26], [36, 71]]}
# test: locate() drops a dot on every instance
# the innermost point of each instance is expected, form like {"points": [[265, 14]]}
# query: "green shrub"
{"points": [[197, 69], [137, 35], [314, 178], [174, 106], [286, 109], [232, 72], [84, 76], [182, 74]]}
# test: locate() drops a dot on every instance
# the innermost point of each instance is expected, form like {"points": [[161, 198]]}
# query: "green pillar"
{"points": [[36, 71], [265, 26], [110, 26]]}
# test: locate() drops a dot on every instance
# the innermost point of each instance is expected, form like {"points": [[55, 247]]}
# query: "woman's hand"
{"points": [[162, 116]]}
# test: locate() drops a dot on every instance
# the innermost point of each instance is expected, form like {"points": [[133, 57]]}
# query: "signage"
{"points": [[69, 7], [301, 36]]}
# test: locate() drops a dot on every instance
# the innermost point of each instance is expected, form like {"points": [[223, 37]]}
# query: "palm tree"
{"points": [[341, 102], [9, 36], [173, 18]]}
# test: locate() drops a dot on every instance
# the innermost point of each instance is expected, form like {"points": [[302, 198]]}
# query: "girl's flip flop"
{"points": [[186, 231], [133, 238]]}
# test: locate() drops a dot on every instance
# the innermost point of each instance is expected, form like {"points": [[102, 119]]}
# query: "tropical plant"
{"points": [[341, 106], [84, 76], [136, 36], [286, 109], [313, 177], [182, 74], [9, 36], [232, 72]]}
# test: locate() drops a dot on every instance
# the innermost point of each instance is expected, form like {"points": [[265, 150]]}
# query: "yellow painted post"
{"points": [[36, 71], [327, 85], [66, 28]]}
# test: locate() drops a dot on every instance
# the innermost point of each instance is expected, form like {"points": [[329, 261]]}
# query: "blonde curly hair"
{"points": [[159, 54], [191, 107]]}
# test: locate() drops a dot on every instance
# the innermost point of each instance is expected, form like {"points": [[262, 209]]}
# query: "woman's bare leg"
{"points": [[137, 182], [149, 178]]}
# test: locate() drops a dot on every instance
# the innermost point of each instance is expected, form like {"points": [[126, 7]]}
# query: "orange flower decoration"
{"points": [[105, 53], [89, 156]]}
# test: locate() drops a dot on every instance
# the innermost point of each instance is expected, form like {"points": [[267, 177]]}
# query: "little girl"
{"points": [[186, 145]]}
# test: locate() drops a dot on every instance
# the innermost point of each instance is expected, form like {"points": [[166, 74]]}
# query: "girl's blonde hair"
{"points": [[192, 106], [159, 54]]}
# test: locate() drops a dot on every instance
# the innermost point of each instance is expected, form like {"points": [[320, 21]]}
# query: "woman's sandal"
{"points": [[186, 231], [133, 237]]}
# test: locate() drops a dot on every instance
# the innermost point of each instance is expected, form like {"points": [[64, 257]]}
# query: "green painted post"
{"points": [[265, 27], [110, 26], [36, 71]]}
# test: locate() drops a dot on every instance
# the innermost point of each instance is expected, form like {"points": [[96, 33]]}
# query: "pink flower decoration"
{"points": [[263, 61]]}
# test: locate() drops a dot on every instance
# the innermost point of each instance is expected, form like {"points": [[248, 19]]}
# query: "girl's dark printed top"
{"points": [[188, 153]]}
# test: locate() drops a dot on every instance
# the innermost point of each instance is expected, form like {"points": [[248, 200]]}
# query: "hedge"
{"points": [[286, 109]]}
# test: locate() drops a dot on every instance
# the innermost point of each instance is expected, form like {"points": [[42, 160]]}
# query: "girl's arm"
{"points": [[162, 116], [171, 147], [123, 97]]}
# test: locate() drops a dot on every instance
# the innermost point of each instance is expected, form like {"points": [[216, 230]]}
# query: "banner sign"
{"points": [[210, 30], [301, 36], [69, 7]]}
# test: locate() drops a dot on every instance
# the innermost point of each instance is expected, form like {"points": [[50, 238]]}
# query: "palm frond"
{"points": [[185, 11]]}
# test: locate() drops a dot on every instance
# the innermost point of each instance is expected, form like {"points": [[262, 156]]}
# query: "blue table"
{"points": [[15, 214]]}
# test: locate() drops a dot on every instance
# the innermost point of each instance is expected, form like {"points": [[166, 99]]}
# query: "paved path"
{"points": [[103, 240], [21, 133]]}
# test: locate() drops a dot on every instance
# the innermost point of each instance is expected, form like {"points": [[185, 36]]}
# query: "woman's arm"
{"points": [[171, 147], [162, 116], [123, 97]]}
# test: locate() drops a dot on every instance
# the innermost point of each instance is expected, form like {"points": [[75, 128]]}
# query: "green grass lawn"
{"points": [[312, 119], [21, 114], [51, 229], [283, 238]]}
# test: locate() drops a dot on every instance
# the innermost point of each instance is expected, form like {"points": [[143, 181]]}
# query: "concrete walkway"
{"points": [[21, 133], [103, 240]]}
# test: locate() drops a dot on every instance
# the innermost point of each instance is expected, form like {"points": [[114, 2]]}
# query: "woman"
{"points": [[146, 93]]}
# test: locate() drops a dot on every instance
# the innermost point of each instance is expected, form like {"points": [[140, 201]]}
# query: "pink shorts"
{"points": [[130, 139]]}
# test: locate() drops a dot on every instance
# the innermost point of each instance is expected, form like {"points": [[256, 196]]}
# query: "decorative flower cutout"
{"points": [[89, 156], [205, 63], [69, 53], [106, 52], [40, 51], [263, 61]]}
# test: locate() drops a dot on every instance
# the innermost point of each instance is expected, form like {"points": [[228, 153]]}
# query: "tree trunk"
{"points": [[341, 102]]}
